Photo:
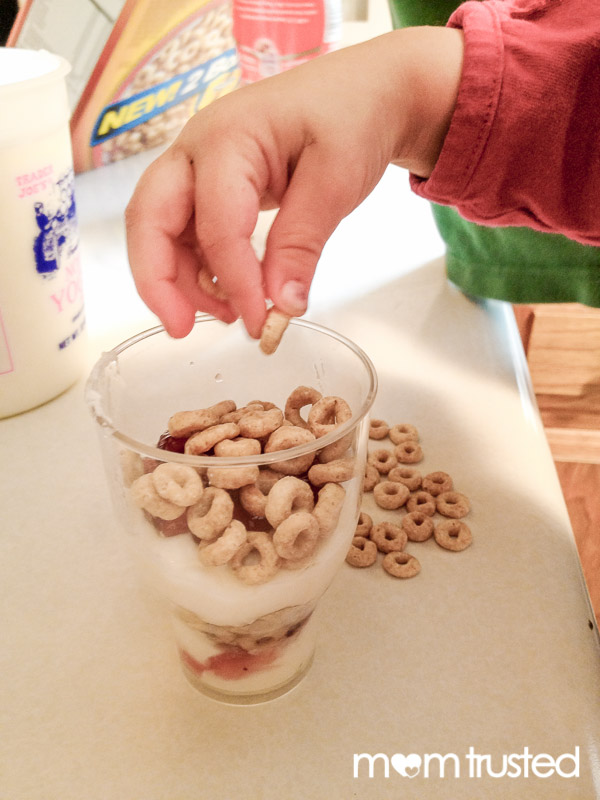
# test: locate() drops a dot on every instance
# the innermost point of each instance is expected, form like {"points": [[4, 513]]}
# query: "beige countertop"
{"points": [[487, 654]]}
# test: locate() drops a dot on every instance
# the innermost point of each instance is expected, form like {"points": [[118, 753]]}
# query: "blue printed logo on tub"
{"points": [[57, 223]]}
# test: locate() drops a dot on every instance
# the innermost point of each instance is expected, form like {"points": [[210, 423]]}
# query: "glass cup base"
{"points": [[245, 699]]}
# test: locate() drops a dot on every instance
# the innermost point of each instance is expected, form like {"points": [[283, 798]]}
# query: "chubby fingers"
{"points": [[318, 197], [163, 260]]}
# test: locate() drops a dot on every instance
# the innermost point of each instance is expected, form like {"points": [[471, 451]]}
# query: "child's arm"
{"points": [[314, 142]]}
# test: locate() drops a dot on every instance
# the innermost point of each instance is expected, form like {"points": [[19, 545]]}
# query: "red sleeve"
{"points": [[523, 147]]}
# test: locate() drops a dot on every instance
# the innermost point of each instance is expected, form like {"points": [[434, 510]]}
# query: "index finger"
{"points": [[227, 202], [163, 265]]}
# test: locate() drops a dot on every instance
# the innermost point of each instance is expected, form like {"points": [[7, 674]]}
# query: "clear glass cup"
{"points": [[242, 605]]}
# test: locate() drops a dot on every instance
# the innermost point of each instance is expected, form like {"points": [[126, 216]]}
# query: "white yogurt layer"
{"points": [[217, 596]]}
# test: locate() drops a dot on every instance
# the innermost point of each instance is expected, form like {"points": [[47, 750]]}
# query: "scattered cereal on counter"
{"points": [[415, 500]]}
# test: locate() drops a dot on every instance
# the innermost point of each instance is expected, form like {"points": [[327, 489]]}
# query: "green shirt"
{"points": [[515, 264]]}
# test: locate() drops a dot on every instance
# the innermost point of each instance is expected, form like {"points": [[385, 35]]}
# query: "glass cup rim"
{"points": [[94, 402]]}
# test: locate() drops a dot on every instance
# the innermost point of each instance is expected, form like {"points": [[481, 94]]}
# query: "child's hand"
{"points": [[313, 141]]}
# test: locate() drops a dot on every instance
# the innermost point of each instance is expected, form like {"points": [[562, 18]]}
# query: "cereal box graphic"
{"points": [[161, 63]]}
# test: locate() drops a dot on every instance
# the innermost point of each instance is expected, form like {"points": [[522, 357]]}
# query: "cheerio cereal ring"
{"points": [[371, 478], [421, 501], [283, 439], [388, 536], [378, 429], [401, 565], [418, 526], [258, 424], [273, 329], [288, 495], [296, 537], [453, 504], [205, 440], [225, 546], [390, 495], [364, 524], [401, 432], [231, 448], [362, 552], [145, 496], [177, 483], [301, 396], [211, 514], [232, 477], [268, 563], [338, 471], [253, 498], [327, 414], [437, 482], [408, 452], [185, 423], [335, 450], [328, 507], [383, 460], [238, 413], [209, 284], [453, 534], [409, 476]]}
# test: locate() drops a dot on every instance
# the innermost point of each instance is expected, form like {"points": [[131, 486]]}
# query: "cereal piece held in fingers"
{"points": [[421, 501], [362, 553], [401, 432], [390, 494], [401, 565], [364, 524], [273, 329], [383, 460], [437, 482], [378, 429], [409, 476], [388, 536], [408, 452], [453, 534], [418, 526], [209, 284], [453, 504]]}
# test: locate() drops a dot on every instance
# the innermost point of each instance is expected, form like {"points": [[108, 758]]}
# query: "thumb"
{"points": [[315, 202]]}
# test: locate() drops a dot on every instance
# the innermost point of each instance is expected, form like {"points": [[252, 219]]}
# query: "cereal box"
{"points": [[139, 68], [162, 62]]}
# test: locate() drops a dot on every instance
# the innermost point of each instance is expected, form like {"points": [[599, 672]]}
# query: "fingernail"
{"points": [[293, 298]]}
